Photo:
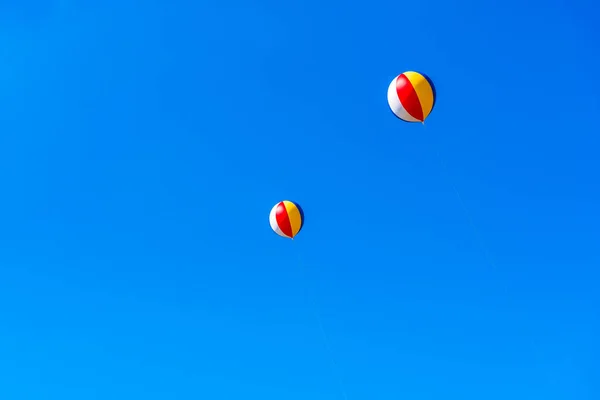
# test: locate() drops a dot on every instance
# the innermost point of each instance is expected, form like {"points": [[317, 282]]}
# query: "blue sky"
{"points": [[143, 144]]}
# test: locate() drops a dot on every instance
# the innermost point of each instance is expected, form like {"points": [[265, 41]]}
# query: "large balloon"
{"points": [[287, 219], [411, 96]]}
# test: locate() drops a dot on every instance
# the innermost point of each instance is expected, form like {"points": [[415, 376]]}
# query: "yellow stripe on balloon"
{"points": [[294, 216], [423, 89]]}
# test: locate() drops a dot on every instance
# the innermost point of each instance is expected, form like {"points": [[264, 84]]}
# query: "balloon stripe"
{"points": [[294, 216], [273, 222], [408, 97], [395, 105], [283, 220], [301, 211], [423, 90], [433, 91]]}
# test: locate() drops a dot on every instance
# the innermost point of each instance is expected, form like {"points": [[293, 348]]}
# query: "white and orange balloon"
{"points": [[286, 218], [411, 96]]}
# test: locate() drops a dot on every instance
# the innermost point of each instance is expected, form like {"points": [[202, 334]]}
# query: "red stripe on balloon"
{"points": [[283, 220], [408, 97]]}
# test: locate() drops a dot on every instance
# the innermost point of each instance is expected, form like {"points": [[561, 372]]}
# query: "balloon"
{"points": [[287, 219], [411, 96]]}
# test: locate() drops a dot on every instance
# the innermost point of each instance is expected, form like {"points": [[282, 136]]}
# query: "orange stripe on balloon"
{"points": [[294, 216], [408, 97], [424, 91]]}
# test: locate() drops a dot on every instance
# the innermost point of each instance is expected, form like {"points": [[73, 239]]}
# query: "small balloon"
{"points": [[411, 96], [287, 219]]}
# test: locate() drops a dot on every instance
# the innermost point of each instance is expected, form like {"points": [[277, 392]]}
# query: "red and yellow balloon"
{"points": [[286, 218], [411, 96]]}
